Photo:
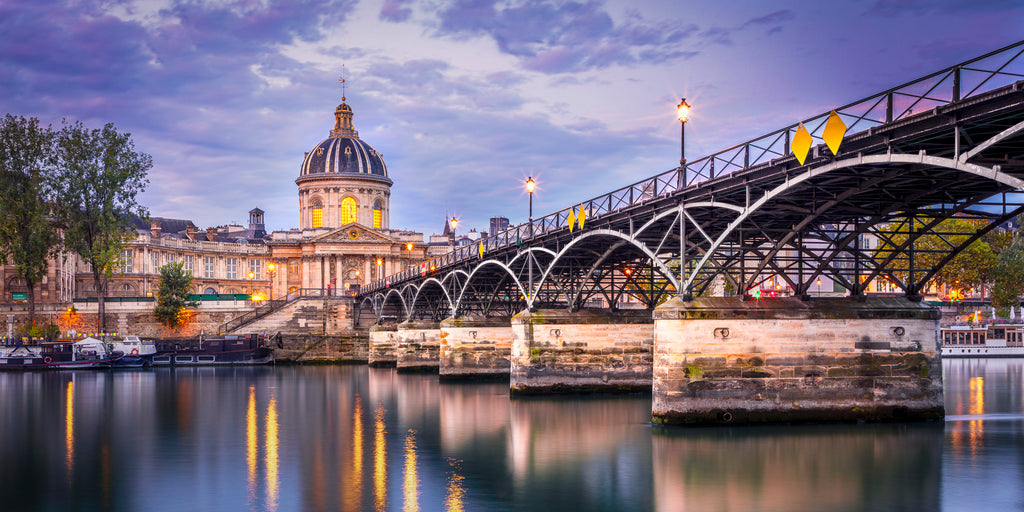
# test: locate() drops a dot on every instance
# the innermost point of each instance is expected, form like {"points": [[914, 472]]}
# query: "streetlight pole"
{"points": [[270, 273], [454, 223], [252, 275], [683, 112], [531, 184]]}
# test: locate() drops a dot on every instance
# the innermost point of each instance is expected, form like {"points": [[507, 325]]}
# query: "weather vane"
{"points": [[341, 80]]}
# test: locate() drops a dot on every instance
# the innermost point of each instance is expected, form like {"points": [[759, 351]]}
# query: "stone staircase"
{"points": [[303, 316]]}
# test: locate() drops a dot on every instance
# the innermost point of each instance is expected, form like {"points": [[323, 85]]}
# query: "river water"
{"points": [[356, 438]]}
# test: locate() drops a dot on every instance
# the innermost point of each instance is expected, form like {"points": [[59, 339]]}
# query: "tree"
{"points": [[99, 175], [172, 295], [971, 268], [1008, 278], [28, 237]]}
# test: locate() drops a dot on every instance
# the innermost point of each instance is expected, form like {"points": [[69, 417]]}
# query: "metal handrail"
{"points": [[940, 88]]}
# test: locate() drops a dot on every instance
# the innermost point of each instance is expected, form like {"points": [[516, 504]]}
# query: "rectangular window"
{"points": [[232, 268], [254, 267], [126, 261], [318, 217], [188, 263], [208, 266], [293, 266], [377, 220], [156, 262]]}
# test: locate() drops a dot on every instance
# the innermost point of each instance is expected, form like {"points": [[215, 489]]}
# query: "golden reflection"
{"points": [[412, 498], [976, 408], [251, 441], [454, 501], [354, 485], [380, 475], [272, 460], [69, 427]]}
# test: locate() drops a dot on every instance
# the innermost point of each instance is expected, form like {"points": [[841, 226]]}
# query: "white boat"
{"points": [[994, 340], [136, 352]]}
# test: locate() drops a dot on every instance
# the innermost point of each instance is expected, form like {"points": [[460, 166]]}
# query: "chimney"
{"points": [[155, 229], [191, 232], [211, 234]]}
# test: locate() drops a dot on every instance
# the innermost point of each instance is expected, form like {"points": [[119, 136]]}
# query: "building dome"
{"points": [[343, 180], [343, 153]]}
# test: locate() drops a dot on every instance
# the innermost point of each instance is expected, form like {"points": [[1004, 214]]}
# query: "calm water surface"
{"points": [[355, 438]]}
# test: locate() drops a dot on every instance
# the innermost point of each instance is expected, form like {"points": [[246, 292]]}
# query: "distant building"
{"points": [[498, 224]]}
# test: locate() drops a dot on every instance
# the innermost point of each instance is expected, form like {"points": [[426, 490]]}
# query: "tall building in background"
{"points": [[498, 224]]}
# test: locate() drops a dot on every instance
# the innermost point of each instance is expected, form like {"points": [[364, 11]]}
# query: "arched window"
{"points": [[348, 210], [318, 213], [378, 215]]}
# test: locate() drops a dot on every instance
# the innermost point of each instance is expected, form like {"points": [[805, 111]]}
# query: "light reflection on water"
{"points": [[353, 438]]}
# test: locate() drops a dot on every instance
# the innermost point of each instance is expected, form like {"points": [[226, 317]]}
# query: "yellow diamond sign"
{"points": [[834, 131], [582, 216], [801, 144], [572, 219]]}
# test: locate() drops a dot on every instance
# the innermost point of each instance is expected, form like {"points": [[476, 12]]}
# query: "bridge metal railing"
{"points": [[955, 83]]}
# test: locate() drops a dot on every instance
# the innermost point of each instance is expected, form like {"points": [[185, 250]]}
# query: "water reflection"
{"points": [[272, 456], [293, 438], [69, 429], [854, 467]]}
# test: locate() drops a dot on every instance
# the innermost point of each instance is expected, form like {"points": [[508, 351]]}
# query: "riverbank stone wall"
{"points": [[419, 344], [383, 345]]}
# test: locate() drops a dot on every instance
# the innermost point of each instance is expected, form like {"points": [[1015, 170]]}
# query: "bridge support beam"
{"points": [[418, 346], [383, 345], [722, 360], [475, 348], [558, 351]]}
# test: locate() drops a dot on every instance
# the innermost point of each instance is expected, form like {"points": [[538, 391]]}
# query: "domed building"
{"points": [[343, 180], [344, 238]]}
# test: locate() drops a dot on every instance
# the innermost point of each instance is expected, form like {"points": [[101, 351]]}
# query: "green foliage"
{"points": [[99, 175], [28, 236], [1008, 278], [968, 269], [172, 295]]}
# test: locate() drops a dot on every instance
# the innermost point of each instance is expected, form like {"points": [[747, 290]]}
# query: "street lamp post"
{"points": [[454, 223], [531, 184], [252, 275], [683, 112], [683, 109], [271, 268]]}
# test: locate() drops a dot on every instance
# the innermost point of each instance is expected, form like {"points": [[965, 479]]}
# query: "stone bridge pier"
{"points": [[556, 351], [475, 348], [418, 344], [722, 360], [384, 345]]}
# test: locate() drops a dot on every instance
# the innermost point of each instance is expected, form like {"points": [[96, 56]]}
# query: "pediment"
{"points": [[354, 232]]}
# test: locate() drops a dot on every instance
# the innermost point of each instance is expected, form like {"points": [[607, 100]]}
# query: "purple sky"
{"points": [[464, 98]]}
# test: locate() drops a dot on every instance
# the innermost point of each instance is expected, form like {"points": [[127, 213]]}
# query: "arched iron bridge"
{"points": [[950, 144]]}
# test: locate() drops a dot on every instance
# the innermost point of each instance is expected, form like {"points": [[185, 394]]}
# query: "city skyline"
{"points": [[464, 100]]}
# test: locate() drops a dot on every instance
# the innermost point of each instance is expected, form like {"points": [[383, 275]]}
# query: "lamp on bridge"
{"points": [[454, 223], [683, 110]]}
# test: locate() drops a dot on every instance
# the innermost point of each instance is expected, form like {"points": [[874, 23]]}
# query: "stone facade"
{"points": [[722, 360], [475, 349], [583, 351]]}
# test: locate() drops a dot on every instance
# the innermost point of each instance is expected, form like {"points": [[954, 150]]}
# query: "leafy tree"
{"points": [[172, 295], [971, 268], [100, 174], [1008, 278], [28, 237]]}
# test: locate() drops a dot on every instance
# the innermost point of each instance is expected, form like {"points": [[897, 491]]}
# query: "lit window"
{"points": [[318, 213], [348, 211], [378, 216]]}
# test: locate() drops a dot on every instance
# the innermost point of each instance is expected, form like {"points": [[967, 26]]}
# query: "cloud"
{"points": [[395, 11], [562, 37]]}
